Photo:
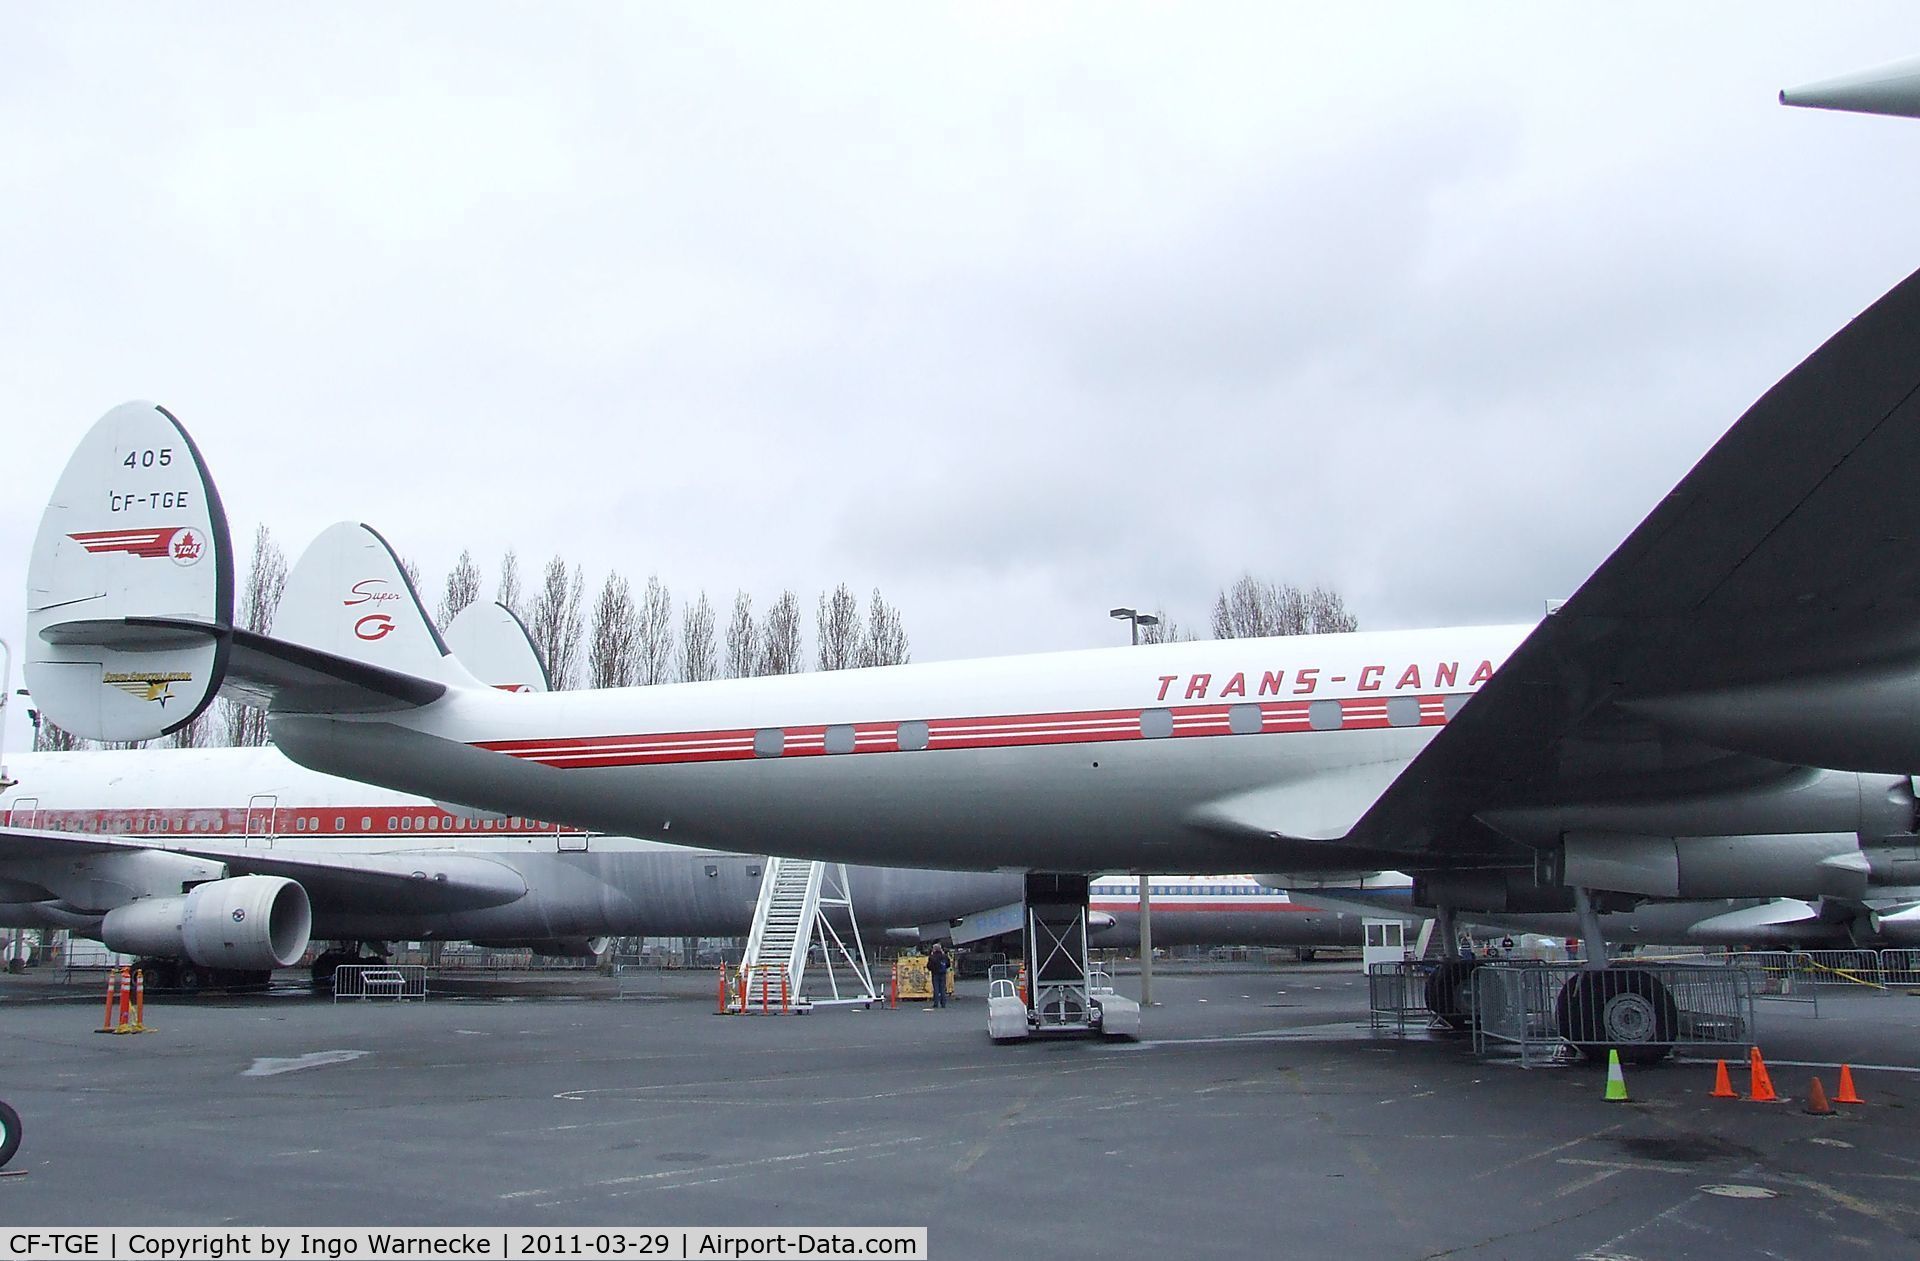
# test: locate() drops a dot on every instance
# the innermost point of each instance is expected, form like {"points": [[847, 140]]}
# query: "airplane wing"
{"points": [[428, 881], [1766, 612]]}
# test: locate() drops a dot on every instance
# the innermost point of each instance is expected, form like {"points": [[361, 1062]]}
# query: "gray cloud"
{"points": [[1016, 313]]}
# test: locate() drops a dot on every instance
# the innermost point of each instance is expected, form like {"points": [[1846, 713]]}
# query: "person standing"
{"points": [[937, 967]]}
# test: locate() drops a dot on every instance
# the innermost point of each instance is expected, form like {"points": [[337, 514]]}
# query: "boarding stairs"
{"points": [[804, 907]]}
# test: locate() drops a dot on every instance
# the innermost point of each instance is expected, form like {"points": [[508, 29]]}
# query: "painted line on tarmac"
{"points": [[267, 1066], [1341, 1032], [665, 1174], [1864, 1068]]}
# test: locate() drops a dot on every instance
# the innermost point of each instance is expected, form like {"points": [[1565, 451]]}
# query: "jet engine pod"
{"points": [[556, 947], [1899, 927], [245, 923]]}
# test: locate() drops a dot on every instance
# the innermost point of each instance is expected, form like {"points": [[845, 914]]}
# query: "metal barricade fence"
{"points": [[380, 980], [1397, 993], [1788, 970], [1535, 1009]]}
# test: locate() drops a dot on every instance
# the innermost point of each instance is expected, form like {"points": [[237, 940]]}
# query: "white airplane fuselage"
{"points": [[1218, 756]]}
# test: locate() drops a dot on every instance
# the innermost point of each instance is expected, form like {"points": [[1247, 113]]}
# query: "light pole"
{"points": [[1136, 619]]}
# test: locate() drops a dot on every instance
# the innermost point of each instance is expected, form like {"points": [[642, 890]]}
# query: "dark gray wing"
{"points": [[1790, 552]]}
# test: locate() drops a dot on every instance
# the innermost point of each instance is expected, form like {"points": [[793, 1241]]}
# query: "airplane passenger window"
{"points": [[1245, 720], [1324, 715], [769, 742], [1453, 703], [840, 738], [913, 735], [1156, 724], [1403, 711]]}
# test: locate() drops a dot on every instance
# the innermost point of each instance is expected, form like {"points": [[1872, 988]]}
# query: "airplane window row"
{"points": [[1155, 724]]}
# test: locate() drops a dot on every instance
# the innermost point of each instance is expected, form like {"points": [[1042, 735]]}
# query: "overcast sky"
{"points": [[1017, 312]]}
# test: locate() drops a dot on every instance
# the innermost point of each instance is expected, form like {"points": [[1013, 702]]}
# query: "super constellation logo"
{"points": [[147, 687], [371, 591], [1372, 678]]}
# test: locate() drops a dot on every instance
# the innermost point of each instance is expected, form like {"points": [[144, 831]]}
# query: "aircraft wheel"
{"points": [[1450, 992], [322, 968], [1627, 1009], [193, 977], [9, 1133]]}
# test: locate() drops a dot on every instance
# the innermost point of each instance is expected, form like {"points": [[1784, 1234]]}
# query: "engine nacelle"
{"points": [[1792, 865], [556, 947], [1902, 928], [1513, 892], [245, 923]]}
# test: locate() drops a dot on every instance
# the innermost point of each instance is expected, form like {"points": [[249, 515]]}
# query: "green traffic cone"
{"points": [[1616, 1080]]}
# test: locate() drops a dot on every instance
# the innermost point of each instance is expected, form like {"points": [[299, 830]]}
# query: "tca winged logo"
{"points": [[182, 544]]}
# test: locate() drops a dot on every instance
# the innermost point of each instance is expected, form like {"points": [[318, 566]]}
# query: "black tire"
{"points": [[1450, 992], [1624, 1009], [323, 966], [9, 1134], [1305, 954], [193, 977]]}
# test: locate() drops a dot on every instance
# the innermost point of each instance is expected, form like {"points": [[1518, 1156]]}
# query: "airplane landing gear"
{"points": [[1450, 992], [1621, 1008]]}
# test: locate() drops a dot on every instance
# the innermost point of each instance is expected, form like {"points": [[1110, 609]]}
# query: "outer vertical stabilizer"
{"points": [[134, 533], [490, 641]]}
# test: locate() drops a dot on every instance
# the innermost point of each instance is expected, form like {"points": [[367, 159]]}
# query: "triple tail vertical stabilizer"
{"points": [[130, 584]]}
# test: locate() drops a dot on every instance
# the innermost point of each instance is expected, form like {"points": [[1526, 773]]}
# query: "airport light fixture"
{"points": [[1136, 618]]}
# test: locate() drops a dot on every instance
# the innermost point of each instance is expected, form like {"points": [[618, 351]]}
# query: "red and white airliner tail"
{"points": [[134, 533]]}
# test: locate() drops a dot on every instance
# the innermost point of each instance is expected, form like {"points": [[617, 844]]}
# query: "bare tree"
{"points": [[837, 620], [743, 639], [50, 738], [554, 622], [1164, 631], [1252, 608], [266, 581], [885, 641], [780, 648], [698, 661], [508, 592], [656, 632], [612, 659], [463, 588], [411, 569]]}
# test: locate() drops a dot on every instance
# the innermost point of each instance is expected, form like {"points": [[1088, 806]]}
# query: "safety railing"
{"points": [[379, 980], [1397, 995], [1535, 1009], [1786, 971]]}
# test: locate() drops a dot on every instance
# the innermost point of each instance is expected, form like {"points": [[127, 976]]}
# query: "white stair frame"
{"points": [[798, 906]]}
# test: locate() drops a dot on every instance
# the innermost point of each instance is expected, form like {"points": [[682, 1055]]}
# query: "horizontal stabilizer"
{"points": [[134, 530]]}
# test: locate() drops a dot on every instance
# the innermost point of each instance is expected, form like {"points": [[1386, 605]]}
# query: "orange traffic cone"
{"points": [[1722, 1084], [1759, 1082], [1817, 1105], [1846, 1092]]}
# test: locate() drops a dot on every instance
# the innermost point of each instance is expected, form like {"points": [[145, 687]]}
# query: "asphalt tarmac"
{"points": [[1257, 1117]]}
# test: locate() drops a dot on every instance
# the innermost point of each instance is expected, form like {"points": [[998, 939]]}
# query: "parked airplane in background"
{"points": [[218, 865], [1658, 734], [1225, 911]]}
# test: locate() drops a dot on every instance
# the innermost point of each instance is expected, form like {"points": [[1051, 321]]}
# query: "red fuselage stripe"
{"points": [[996, 732]]}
